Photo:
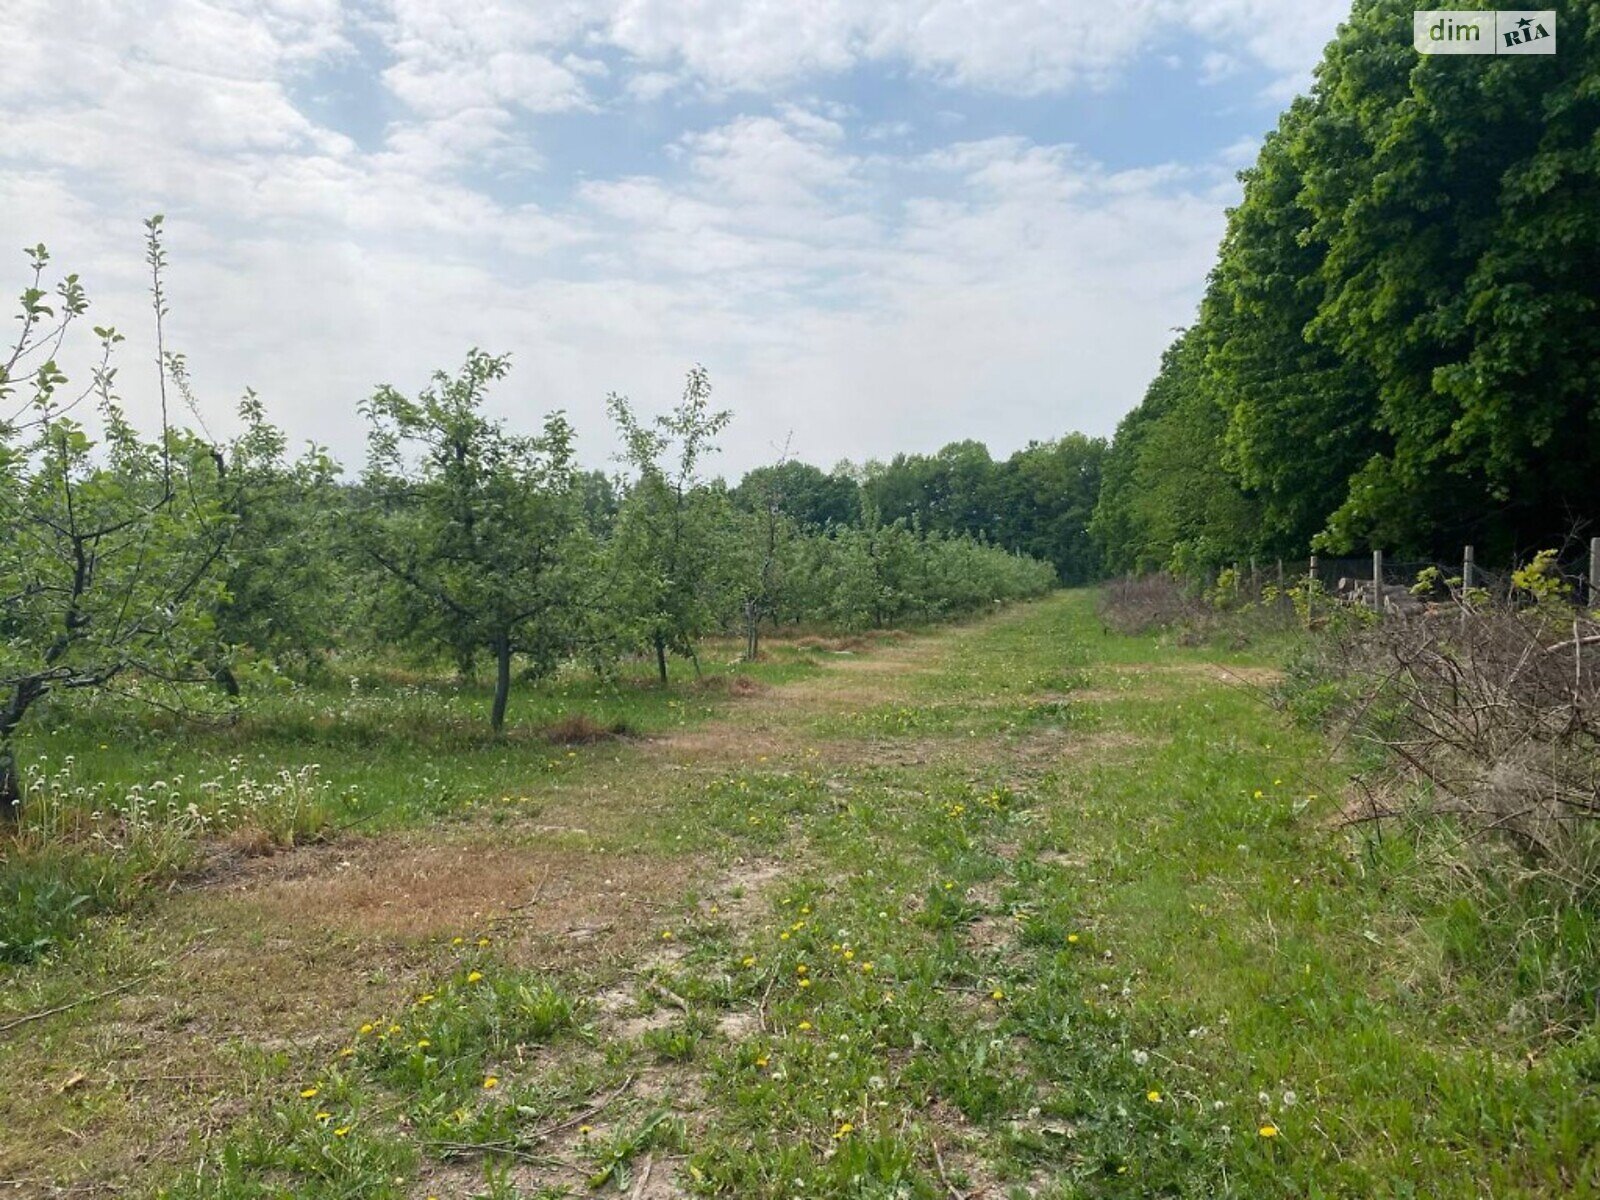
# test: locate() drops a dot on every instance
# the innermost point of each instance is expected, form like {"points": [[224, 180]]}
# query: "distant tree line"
{"points": [[1399, 346]]}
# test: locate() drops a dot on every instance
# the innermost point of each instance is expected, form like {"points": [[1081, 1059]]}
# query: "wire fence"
{"points": [[1576, 565]]}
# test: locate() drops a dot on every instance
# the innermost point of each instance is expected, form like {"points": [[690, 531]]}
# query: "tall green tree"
{"points": [[1299, 413], [1459, 200], [1166, 503], [1043, 499], [473, 528], [809, 497]]}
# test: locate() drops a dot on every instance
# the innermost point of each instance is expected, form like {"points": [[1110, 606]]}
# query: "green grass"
{"points": [[1066, 916], [123, 798]]}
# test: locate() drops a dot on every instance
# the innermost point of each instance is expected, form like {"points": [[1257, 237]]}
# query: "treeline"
{"points": [[182, 565], [1399, 346]]}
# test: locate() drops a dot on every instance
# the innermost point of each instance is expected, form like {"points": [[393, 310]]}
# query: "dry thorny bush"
{"points": [[1231, 611], [1141, 603], [1496, 709]]}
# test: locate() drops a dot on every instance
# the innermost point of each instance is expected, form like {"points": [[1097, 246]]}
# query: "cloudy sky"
{"points": [[882, 224]]}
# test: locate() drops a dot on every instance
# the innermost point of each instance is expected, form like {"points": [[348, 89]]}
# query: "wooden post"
{"points": [[1311, 588], [1255, 580], [1466, 568], [1377, 581], [1594, 572]]}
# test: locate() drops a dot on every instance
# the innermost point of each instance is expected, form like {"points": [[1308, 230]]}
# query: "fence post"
{"points": [[1466, 568], [1311, 588], [1377, 581], [1594, 572]]}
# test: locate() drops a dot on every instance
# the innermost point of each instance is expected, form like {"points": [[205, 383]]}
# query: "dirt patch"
{"points": [[738, 1025], [408, 888], [580, 729], [990, 935], [745, 886], [730, 685]]}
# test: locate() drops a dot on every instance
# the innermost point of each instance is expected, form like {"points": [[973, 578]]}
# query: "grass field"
{"points": [[1016, 908]]}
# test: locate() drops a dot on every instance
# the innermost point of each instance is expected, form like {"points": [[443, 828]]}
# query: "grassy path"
{"points": [[1014, 909]]}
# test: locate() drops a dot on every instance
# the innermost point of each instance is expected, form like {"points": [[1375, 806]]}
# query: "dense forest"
{"points": [[1399, 345]]}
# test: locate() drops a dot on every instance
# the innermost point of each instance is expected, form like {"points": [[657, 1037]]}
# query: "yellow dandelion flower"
{"points": [[805, 983], [342, 1131], [456, 941], [762, 1062], [848, 955], [784, 936], [394, 1029], [585, 1130], [483, 941], [750, 960], [801, 969], [804, 1025], [307, 1093], [474, 976], [324, 1117], [1268, 1131], [490, 1082], [1072, 938], [843, 1131], [1153, 1096], [347, 1052], [423, 1043], [866, 968], [997, 994], [367, 1028], [666, 935]]}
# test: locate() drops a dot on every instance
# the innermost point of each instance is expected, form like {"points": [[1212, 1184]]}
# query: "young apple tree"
{"points": [[473, 528], [670, 526], [112, 554]]}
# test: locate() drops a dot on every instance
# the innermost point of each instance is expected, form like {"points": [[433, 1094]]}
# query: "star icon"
{"points": [[1525, 22]]}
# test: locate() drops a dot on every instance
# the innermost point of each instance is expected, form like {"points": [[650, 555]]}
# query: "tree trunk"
{"points": [[502, 682], [226, 679], [22, 698], [661, 658], [10, 787]]}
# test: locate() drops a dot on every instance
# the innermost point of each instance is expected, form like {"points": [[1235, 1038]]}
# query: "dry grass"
{"points": [[580, 729]]}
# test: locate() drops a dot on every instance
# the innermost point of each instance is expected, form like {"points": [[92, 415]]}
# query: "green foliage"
{"points": [[112, 567], [1037, 502], [804, 494], [281, 577], [474, 530], [669, 527], [1398, 345], [1164, 503]]}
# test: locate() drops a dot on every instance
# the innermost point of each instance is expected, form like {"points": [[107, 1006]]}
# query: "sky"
{"points": [[882, 225]]}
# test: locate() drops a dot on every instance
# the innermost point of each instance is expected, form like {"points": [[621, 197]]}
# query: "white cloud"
{"points": [[869, 296]]}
